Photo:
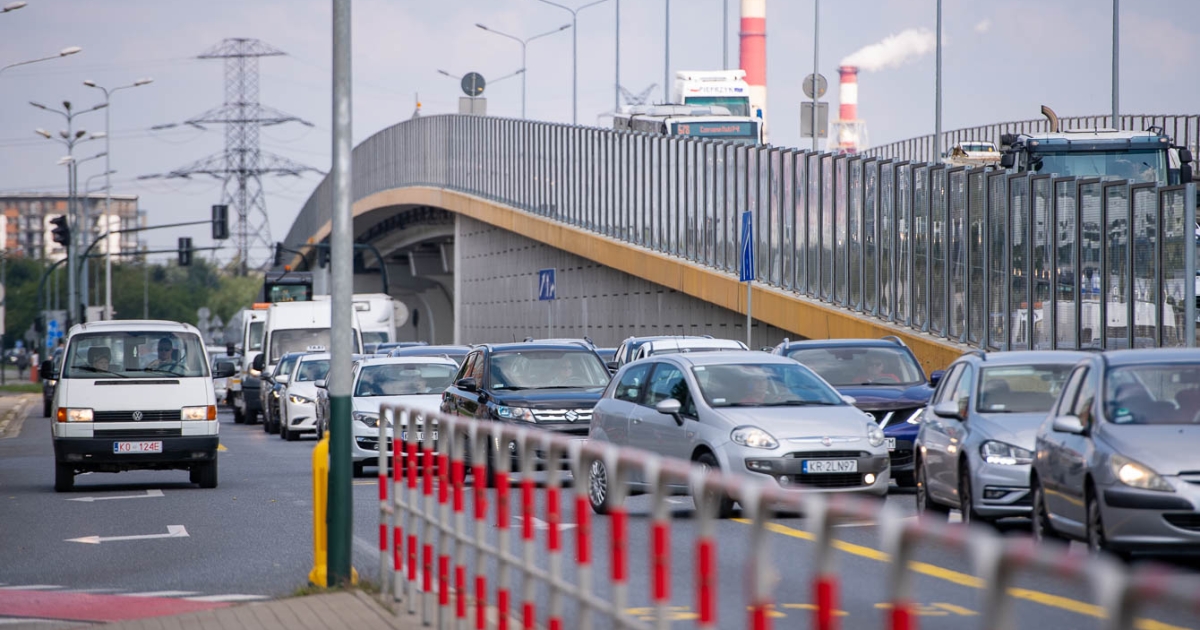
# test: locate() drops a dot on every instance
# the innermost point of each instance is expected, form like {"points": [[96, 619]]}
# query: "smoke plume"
{"points": [[893, 50]]}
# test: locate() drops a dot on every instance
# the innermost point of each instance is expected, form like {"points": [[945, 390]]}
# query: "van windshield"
{"points": [[135, 354]]}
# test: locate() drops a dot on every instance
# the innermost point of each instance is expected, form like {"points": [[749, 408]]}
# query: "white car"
{"points": [[298, 405], [414, 381]]}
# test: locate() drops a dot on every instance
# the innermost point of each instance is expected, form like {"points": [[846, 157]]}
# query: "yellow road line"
{"points": [[965, 579], [221, 447]]}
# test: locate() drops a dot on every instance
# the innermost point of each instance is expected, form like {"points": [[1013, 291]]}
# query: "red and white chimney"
{"points": [[754, 54], [848, 109]]}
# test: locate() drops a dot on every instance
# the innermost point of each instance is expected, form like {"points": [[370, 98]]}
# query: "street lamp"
{"points": [[12, 6], [70, 137], [62, 53], [490, 81], [523, 43], [574, 40], [108, 309]]}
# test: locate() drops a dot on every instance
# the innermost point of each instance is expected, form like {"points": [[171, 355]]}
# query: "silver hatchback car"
{"points": [[756, 414], [1117, 463]]}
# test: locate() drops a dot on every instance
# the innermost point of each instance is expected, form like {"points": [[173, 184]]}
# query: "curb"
{"points": [[14, 418]]}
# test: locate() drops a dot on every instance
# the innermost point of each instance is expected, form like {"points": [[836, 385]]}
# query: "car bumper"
{"points": [[177, 452], [902, 458], [1001, 491], [872, 476], [301, 417], [1147, 520]]}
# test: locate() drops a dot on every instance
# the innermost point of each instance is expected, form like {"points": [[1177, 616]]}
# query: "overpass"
{"points": [[643, 231]]}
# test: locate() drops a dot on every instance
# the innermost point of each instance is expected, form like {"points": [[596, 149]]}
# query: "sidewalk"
{"points": [[353, 609], [13, 409]]}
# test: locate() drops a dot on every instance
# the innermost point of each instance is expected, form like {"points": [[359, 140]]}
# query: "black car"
{"points": [[551, 386], [456, 353], [272, 391], [885, 380]]}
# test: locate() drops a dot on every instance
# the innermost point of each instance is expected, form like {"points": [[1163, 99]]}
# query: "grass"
{"points": [[22, 388]]}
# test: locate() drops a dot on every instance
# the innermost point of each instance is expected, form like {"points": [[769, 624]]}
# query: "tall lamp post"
{"points": [[523, 43], [85, 222], [62, 53], [574, 50], [108, 310], [69, 137]]}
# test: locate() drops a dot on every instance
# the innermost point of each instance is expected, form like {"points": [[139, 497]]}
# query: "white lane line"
{"points": [[173, 531], [150, 494], [30, 587], [160, 594], [540, 525], [227, 598]]}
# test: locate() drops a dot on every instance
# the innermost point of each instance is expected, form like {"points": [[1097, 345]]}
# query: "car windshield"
{"points": [[135, 354], [860, 365], [1020, 388], [298, 340], [1153, 394], [404, 379], [541, 369], [314, 370], [762, 385]]}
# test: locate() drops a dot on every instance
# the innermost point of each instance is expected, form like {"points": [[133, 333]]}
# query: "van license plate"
{"points": [[891, 443], [830, 466], [137, 447], [420, 436]]}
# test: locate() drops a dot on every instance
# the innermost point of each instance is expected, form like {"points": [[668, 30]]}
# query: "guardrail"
{"points": [[979, 257], [427, 515]]}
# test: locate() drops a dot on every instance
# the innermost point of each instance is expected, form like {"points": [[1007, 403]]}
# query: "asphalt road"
{"points": [[251, 537]]}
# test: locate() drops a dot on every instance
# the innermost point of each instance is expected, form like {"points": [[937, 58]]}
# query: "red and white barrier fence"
{"points": [[423, 563]]}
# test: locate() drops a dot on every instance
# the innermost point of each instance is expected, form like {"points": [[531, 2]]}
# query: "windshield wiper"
{"points": [[512, 388], [158, 370], [800, 403], [569, 387], [89, 368]]}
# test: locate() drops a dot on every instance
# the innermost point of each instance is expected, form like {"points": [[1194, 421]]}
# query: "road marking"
{"points": [[965, 579], [227, 598], [539, 524], [366, 483], [31, 587], [173, 531], [159, 594], [221, 447], [149, 495]]}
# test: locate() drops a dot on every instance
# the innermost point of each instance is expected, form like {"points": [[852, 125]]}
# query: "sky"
{"points": [[1002, 60]]}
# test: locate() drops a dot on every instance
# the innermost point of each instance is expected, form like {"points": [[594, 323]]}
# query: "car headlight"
{"points": [[1137, 475], [515, 413], [207, 412], [366, 417], [299, 400], [753, 437], [74, 415], [915, 417], [874, 434], [51, 382], [1004, 454]]}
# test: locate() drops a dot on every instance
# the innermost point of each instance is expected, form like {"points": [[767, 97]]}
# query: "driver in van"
{"points": [[98, 358], [164, 357]]}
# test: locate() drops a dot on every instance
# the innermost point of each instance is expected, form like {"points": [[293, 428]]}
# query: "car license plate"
{"points": [[420, 436], [830, 466], [891, 443], [137, 447]]}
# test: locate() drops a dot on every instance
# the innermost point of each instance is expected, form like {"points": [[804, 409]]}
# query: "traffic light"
{"points": [[278, 255], [61, 231], [220, 222], [185, 251]]}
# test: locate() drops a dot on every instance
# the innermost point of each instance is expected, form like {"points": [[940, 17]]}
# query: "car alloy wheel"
{"points": [[925, 504], [598, 494]]}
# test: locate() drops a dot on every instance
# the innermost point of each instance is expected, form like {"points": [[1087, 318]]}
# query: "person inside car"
{"points": [[164, 357], [99, 357], [875, 371]]}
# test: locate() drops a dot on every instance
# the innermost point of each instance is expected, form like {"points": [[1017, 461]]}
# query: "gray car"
{"points": [[760, 415], [976, 436], [1117, 462]]}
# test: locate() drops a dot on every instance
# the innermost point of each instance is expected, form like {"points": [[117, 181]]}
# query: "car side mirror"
{"points": [[282, 379], [936, 377], [850, 400], [1007, 160], [320, 383], [670, 407], [1068, 424], [224, 369], [259, 362], [612, 366], [46, 371], [467, 384], [947, 409]]}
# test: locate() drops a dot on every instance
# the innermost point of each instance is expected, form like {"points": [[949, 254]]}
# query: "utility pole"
{"points": [[816, 56], [937, 108], [617, 63], [1116, 66], [667, 54]]}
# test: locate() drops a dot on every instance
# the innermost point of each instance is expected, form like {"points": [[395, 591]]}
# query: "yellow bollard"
{"points": [[320, 464]]}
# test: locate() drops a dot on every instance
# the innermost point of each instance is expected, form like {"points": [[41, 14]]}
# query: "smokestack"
{"points": [[848, 94], [754, 54]]}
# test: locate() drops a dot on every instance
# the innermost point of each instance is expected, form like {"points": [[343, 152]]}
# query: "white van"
{"points": [[244, 387], [297, 327], [135, 395]]}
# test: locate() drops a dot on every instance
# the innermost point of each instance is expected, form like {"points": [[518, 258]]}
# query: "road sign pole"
{"points": [[746, 271]]}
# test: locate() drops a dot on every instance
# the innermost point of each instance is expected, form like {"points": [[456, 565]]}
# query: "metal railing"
{"points": [[425, 506], [1184, 130], [975, 256]]}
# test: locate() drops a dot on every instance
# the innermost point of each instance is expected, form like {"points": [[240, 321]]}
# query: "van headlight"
{"points": [[207, 412], [1137, 475], [66, 414], [753, 437], [874, 434]]}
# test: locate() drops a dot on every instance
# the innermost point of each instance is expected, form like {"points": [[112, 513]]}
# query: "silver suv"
{"points": [[752, 413]]}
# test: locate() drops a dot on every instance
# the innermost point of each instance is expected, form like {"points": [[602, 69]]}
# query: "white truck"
{"points": [[376, 317], [714, 88], [297, 327], [244, 386]]}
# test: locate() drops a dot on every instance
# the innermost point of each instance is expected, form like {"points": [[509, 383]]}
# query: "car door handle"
{"points": [[636, 421]]}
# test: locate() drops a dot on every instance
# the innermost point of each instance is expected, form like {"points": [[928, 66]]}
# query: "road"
{"points": [[251, 538]]}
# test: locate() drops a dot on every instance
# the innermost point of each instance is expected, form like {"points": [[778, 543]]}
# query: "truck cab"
{"points": [[244, 386]]}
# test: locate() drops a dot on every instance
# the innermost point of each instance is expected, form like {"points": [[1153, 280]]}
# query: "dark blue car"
{"points": [[885, 380]]}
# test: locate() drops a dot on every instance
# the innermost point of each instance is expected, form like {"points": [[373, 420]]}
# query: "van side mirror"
{"points": [[224, 369], [46, 371], [936, 377], [1007, 160], [1185, 156]]}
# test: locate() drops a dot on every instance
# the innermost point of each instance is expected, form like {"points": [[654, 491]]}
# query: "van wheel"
{"points": [[64, 477], [46, 408], [205, 475]]}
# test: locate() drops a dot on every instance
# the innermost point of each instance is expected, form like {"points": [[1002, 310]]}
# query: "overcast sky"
{"points": [[1003, 59]]}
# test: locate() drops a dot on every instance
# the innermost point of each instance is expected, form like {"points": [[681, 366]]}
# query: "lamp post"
{"points": [[62, 53], [12, 6], [70, 137], [458, 77], [85, 223], [108, 310], [523, 43], [574, 50]]}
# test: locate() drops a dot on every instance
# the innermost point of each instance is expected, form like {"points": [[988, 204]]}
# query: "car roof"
{"points": [[1027, 357], [293, 355], [721, 358], [692, 342], [429, 351], [519, 346], [842, 343], [438, 360], [314, 356], [1151, 356], [148, 325]]}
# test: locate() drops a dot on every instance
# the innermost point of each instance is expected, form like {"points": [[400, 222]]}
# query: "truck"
{"points": [[243, 396], [714, 88], [376, 317], [1136, 156], [714, 122]]}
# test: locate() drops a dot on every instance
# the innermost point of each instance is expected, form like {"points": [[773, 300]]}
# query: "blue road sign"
{"points": [[546, 284], [746, 273]]}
